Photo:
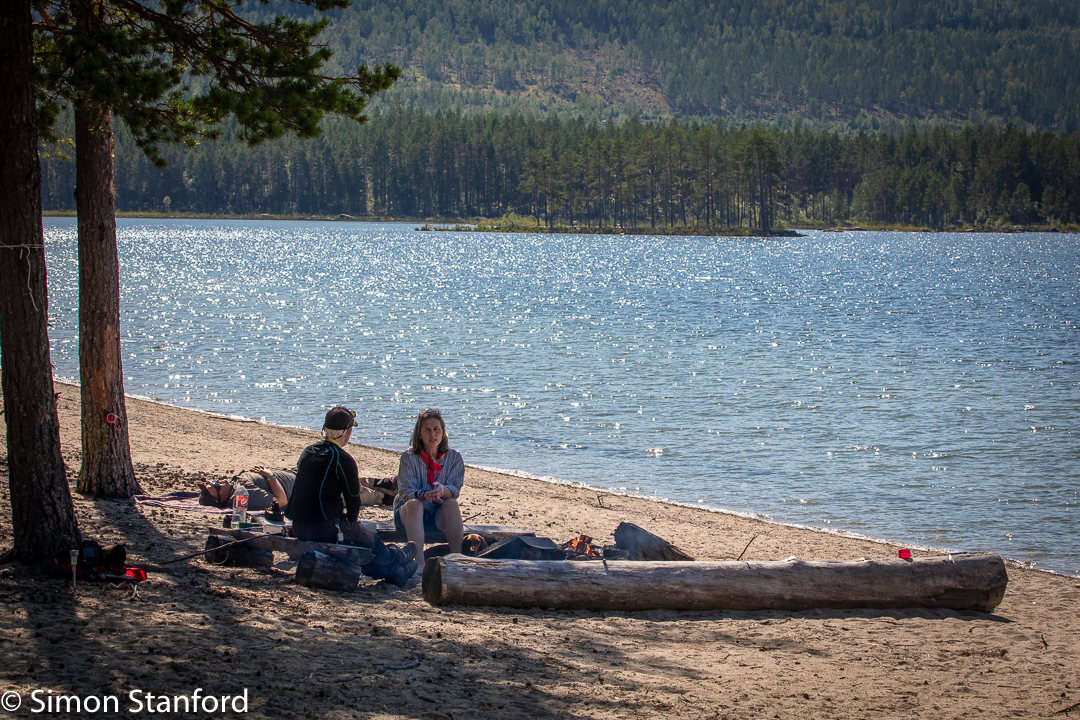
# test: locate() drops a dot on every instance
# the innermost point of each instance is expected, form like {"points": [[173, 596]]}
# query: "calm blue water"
{"points": [[919, 388]]}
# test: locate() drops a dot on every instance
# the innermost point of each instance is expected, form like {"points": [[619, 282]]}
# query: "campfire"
{"points": [[582, 548]]}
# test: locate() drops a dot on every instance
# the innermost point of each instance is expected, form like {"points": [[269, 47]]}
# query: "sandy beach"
{"points": [[382, 652]]}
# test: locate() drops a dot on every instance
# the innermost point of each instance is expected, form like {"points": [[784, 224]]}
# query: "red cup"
{"points": [[904, 554]]}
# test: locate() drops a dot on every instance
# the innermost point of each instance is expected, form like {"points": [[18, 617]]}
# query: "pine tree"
{"points": [[42, 514], [131, 59]]}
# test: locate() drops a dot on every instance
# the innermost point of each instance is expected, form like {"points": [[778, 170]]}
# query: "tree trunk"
{"points": [[42, 514], [106, 460], [961, 582]]}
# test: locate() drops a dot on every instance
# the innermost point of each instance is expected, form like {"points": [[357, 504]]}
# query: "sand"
{"points": [[382, 652]]}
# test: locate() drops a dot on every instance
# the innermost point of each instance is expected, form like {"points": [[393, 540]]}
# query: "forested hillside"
{"points": [[855, 61], [407, 163], [634, 114]]}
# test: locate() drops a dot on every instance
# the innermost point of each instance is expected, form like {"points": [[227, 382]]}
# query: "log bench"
{"points": [[490, 533], [385, 530], [294, 548]]}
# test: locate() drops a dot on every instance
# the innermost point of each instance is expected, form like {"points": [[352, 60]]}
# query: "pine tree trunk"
{"points": [[106, 460], [42, 514]]}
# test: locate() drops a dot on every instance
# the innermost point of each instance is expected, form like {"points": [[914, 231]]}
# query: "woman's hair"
{"points": [[416, 445]]}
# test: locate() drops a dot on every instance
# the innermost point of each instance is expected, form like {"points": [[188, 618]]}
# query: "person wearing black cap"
{"points": [[325, 502]]}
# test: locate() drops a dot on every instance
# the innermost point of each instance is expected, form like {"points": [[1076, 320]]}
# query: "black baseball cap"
{"points": [[339, 418]]}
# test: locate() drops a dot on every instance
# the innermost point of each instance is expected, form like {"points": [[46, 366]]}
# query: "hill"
{"points": [[860, 62]]}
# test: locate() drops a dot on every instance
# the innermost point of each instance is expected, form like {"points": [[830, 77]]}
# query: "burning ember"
{"points": [[581, 546]]}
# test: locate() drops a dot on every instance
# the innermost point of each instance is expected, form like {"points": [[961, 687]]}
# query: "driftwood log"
{"points": [[244, 555], [491, 533], [317, 569], [973, 581], [643, 545], [294, 548]]}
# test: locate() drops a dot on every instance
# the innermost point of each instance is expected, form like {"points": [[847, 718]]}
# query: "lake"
{"points": [[921, 388]]}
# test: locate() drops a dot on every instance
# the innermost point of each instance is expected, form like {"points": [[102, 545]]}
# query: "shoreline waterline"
{"points": [[578, 485], [889, 384]]}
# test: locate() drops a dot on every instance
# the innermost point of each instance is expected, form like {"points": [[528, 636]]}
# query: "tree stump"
{"points": [[317, 569], [242, 555]]}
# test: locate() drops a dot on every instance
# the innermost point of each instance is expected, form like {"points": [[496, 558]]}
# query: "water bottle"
{"points": [[240, 503]]}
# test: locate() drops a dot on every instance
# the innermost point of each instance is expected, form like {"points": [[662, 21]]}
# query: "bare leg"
{"points": [[412, 517], [448, 519]]}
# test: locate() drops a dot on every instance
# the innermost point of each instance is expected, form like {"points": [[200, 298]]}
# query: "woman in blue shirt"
{"points": [[429, 481]]}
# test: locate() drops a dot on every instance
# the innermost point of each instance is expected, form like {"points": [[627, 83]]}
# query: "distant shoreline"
{"points": [[489, 226]]}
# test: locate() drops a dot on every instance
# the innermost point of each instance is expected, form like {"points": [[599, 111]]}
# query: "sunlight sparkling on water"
{"points": [[922, 388]]}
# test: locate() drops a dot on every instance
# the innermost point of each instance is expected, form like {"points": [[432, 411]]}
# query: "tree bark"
{"points": [[42, 514], [974, 581], [106, 459]]}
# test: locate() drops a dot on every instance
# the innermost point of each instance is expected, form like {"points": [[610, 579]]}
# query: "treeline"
{"points": [[954, 60], [409, 164]]}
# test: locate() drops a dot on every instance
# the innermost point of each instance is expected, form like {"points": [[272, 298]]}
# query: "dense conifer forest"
{"points": [[406, 163], [861, 61]]}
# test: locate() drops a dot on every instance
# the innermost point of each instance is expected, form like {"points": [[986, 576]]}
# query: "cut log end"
{"points": [[431, 581]]}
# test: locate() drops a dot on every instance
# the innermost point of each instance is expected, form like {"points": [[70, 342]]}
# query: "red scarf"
{"points": [[432, 468]]}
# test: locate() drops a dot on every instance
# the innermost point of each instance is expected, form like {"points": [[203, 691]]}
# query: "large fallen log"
{"points": [[295, 549], [973, 581]]}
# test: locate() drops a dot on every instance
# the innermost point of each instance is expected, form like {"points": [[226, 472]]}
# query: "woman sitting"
{"points": [[429, 481]]}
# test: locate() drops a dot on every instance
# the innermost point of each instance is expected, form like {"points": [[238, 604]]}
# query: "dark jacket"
{"points": [[327, 485]]}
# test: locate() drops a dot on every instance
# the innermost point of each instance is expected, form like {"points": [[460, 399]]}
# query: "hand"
{"points": [[265, 472]]}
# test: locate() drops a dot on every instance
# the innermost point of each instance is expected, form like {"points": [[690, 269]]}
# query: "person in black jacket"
{"points": [[325, 501], [326, 495]]}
